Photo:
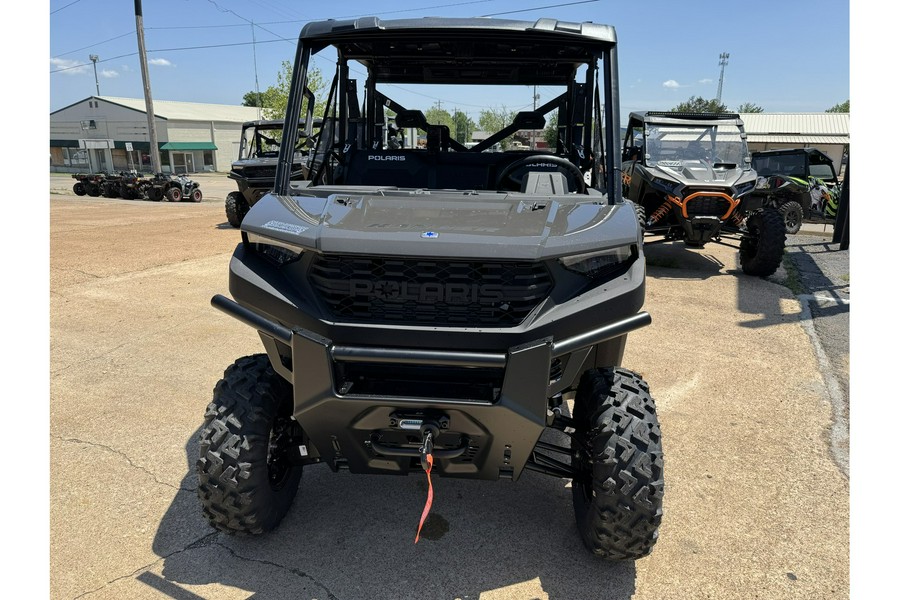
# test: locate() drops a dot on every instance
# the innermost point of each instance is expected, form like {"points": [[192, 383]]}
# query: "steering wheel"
{"points": [[511, 178]]}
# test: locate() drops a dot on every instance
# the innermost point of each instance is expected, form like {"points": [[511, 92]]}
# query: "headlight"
{"points": [[599, 264], [747, 186], [275, 251], [237, 167], [665, 184]]}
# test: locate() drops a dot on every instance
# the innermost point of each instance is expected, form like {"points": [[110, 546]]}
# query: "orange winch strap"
{"points": [[430, 497]]}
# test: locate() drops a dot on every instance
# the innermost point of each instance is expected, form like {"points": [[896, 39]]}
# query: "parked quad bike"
{"points": [[90, 184], [172, 188]]}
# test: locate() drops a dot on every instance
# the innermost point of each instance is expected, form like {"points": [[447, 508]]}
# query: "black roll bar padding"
{"points": [[611, 94]]}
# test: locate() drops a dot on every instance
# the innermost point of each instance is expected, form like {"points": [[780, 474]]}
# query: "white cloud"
{"points": [[109, 73], [671, 84], [160, 62], [72, 67], [706, 81]]}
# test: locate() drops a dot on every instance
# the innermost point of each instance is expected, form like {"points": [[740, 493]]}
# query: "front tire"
{"points": [[79, 190], [246, 481], [618, 493], [793, 216], [174, 194], [196, 196], [236, 208], [762, 246]]}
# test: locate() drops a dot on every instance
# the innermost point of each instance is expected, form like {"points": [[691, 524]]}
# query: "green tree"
{"points": [[749, 107], [698, 104], [493, 120], [551, 131], [438, 116], [252, 99], [274, 99], [462, 127], [843, 107]]}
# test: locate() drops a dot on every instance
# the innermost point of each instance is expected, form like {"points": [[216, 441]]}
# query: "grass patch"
{"points": [[663, 261], [793, 276], [846, 277]]}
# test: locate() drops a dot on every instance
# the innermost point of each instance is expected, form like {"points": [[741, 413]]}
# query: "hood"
{"points": [[445, 224], [700, 172]]}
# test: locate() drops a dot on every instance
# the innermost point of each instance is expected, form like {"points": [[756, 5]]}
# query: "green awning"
{"points": [[188, 146], [63, 143]]}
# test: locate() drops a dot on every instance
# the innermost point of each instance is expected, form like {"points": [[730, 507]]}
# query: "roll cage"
{"points": [[455, 51]]}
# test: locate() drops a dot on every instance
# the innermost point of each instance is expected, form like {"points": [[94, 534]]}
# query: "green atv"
{"points": [[800, 182]]}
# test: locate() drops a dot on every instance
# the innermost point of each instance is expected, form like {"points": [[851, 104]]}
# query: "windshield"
{"points": [[670, 145], [260, 142]]}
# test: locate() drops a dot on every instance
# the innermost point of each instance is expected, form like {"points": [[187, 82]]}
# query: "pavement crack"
{"points": [[127, 459], [291, 570], [200, 543]]}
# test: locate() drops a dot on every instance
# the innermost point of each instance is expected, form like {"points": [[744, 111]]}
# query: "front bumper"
{"points": [[360, 406]]}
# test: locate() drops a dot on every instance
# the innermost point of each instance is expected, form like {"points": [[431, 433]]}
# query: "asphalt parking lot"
{"points": [[756, 501]]}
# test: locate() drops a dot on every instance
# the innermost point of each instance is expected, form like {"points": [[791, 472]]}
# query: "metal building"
{"points": [[103, 133]]}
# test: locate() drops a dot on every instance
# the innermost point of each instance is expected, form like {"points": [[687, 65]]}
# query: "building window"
{"points": [[208, 160], [75, 157]]}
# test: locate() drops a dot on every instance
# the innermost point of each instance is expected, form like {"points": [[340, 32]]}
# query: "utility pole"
{"points": [[94, 58], [723, 60], [535, 98], [148, 98], [255, 73]]}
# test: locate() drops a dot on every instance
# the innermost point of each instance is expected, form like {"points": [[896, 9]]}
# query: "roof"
{"points": [[797, 128], [189, 111], [433, 27], [682, 118], [473, 51]]}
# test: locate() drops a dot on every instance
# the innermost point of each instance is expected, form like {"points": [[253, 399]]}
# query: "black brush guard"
{"points": [[476, 436]]}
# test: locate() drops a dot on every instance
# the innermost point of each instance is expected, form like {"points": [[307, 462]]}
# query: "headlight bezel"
{"points": [[600, 264]]}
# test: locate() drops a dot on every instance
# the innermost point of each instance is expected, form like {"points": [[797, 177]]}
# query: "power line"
{"points": [[62, 7], [93, 45], [510, 12]]}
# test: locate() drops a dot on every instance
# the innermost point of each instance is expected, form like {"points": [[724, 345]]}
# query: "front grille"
{"points": [[435, 292], [707, 206], [259, 172]]}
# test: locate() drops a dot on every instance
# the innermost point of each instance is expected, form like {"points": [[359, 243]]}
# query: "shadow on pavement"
{"points": [[351, 536], [674, 260]]}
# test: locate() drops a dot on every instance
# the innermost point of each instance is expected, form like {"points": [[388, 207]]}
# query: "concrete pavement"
{"points": [[755, 507]]}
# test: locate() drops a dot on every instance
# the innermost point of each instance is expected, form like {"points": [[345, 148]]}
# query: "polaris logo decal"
{"points": [[430, 235], [422, 293], [388, 157]]}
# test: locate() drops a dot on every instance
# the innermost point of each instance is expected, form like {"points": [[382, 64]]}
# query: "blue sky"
{"points": [[784, 56]]}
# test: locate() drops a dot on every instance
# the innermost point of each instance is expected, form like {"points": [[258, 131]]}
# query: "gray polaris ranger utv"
{"points": [[254, 170], [691, 177], [441, 307]]}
